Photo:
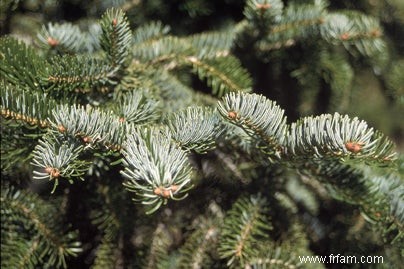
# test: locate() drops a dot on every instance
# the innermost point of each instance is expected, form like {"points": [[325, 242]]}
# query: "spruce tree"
{"points": [[126, 145]]}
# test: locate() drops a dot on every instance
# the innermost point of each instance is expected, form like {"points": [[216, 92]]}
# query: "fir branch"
{"points": [[354, 29], [339, 137], [195, 252], [106, 254], [245, 224], [25, 213], [136, 107], [20, 65], [65, 38], [395, 81], [32, 108], [57, 159], [298, 21], [18, 252], [158, 252], [174, 93], [162, 51], [156, 169], [222, 74], [105, 218], [195, 129], [259, 117], [286, 252], [116, 38], [17, 143], [213, 44], [77, 73], [92, 126], [262, 13], [149, 33], [337, 71], [379, 196]]}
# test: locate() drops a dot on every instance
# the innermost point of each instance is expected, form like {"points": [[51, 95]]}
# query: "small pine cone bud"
{"points": [[157, 191], [53, 172], [52, 42], [121, 119], [166, 193], [48, 170], [375, 33], [114, 22], [232, 115], [87, 139], [61, 128], [263, 6], [345, 36], [353, 147]]}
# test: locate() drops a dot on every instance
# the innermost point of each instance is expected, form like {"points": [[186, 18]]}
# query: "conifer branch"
{"points": [[195, 252], [20, 207], [161, 51], [116, 38], [338, 136], [66, 37], [156, 169], [136, 107], [244, 224], [158, 252], [195, 129], [354, 29], [150, 32], [107, 254], [223, 75], [90, 125], [299, 21], [213, 44], [77, 73], [395, 81], [259, 117], [378, 196], [31, 108], [163, 84], [55, 159], [20, 65], [262, 13]]}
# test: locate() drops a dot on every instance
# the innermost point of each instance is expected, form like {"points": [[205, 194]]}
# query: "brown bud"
{"points": [[53, 172], [166, 193], [232, 115], [114, 22], [48, 170], [52, 42], [87, 139], [61, 128], [121, 119], [375, 33], [353, 147], [263, 6], [345, 36], [157, 191]]}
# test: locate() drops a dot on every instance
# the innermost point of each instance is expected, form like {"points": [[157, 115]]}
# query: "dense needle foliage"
{"points": [[201, 134]]}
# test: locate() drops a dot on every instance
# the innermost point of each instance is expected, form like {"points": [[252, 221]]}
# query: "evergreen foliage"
{"points": [[127, 146]]}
